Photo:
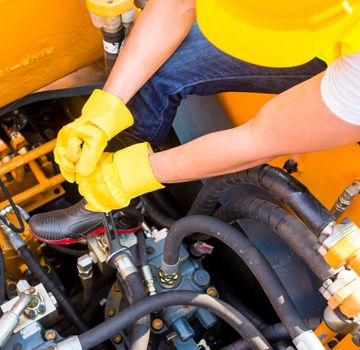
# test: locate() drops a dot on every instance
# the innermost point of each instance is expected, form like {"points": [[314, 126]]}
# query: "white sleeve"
{"points": [[340, 88]]}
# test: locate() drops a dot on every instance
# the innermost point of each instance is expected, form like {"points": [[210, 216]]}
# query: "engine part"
{"points": [[292, 231], [42, 306], [40, 185], [36, 270], [273, 180], [111, 17], [224, 311], [11, 318], [346, 198], [265, 275], [342, 247]]}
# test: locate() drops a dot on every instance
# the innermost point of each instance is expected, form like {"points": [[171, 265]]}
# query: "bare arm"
{"points": [[159, 30], [295, 121]]}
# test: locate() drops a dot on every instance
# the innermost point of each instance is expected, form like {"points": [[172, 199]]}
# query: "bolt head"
{"points": [[157, 324]]}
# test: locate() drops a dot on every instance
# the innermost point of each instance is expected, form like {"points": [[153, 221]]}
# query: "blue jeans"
{"points": [[198, 67]]}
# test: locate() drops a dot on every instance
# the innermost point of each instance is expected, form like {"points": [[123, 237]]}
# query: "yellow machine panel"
{"points": [[42, 41], [325, 173]]}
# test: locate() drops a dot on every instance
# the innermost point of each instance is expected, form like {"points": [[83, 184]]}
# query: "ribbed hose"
{"points": [[50, 286], [134, 292], [278, 183], [255, 261], [2, 278], [292, 231], [107, 329], [155, 215]]}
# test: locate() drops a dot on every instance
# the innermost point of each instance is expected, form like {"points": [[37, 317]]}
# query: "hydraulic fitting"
{"points": [[10, 319], [149, 280], [342, 247], [343, 293], [85, 267], [346, 198], [168, 280], [124, 265]]}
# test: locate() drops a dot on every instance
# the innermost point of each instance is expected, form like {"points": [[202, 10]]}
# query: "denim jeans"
{"points": [[198, 67]]}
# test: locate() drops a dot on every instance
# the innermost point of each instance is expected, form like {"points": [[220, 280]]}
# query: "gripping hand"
{"points": [[118, 178], [79, 145]]}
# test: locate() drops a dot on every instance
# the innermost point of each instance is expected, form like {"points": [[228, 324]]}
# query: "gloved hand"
{"points": [[79, 145], [118, 178]]}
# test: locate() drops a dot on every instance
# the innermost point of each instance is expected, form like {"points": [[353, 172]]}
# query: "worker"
{"points": [[203, 47]]}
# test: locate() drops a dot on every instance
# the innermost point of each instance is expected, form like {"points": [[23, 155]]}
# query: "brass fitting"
{"points": [[342, 247]]}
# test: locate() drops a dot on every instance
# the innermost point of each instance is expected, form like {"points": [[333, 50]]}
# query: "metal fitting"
{"points": [[85, 267], [345, 199], [72, 343], [168, 280], [149, 280], [338, 322], [308, 341], [124, 265], [11, 318]]}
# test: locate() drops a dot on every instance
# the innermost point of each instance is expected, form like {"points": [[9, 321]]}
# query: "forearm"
{"points": [[296, 121], [159, 30]]}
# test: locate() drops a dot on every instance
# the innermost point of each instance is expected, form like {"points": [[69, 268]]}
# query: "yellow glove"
{"points": [[79, 145], [118, 178]]}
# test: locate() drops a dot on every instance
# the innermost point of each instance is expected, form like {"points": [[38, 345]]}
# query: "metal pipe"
{"points": [[11, 318]]}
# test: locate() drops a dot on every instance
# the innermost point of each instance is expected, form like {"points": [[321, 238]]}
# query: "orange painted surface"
{"points": [[325, 173], [41, 41]]}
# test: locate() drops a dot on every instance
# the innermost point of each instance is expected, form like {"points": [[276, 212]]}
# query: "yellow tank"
{"points": [[42, 41]]}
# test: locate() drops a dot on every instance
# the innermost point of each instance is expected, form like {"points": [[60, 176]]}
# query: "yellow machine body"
{"points": [[325, 173], [42, 41]]}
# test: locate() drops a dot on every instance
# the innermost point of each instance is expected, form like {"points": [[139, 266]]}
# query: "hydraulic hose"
{"points": [[134, 292], [141, 248], [278, 183], [292, 231], [107, 329], [2, 278], [50, 286], [242, 246], [155, 215]]}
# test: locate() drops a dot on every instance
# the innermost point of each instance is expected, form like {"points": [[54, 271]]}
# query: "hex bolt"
{"points": [[32, 290], [111, 312], [157, 324], [50, 335], [212, 291], [117, 339]]}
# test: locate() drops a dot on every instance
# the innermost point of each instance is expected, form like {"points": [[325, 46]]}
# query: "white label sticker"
{"points": [[111, 47], [30, 330]]}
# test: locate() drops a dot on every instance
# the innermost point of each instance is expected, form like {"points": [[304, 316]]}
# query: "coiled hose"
{"points": [[292, 231], [50, 286], [242, 246], [275, 181], [107, 329]]}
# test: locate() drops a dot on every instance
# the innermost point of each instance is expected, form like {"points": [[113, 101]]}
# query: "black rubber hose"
{"points": [[278, 183], [141, 248], [134, 292], [50, 286], [154, 303], [2, 278], [155, 215], [66, 250], [242, 246], [292, 231]]}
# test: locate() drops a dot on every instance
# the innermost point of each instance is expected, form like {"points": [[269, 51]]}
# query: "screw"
{"points": [[157, 324], [30, 313], [212, 291], [111, 312], [32, 290], [117, 339], [50, 335]]}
